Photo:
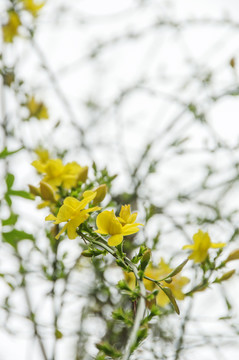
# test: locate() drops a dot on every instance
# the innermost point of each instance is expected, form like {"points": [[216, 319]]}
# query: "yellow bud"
{"points": [[34, 190], [47, 192], [82, 176], [234, 255], [100, 194], [226, 276]]}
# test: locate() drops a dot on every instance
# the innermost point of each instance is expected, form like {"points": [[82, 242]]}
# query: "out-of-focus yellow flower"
{"points": [[43, 154], [32, 7], [109, 224], [37, 109], [125, 216], [157, 273], [74, 213], [10, 30], [202, 243], [57, 174]]}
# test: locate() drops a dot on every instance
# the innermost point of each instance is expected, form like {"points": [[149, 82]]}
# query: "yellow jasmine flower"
{"points": [[32, 7], [157, 273], [57, 174], [202, 243], [43, 154], [109, 224], [37, 109], [10, 30], [125, 216], [73, 212]]}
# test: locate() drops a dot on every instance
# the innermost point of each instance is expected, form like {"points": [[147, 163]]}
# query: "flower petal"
{"points": [[103, 221], [62, 230], [72, 225], [115, 240], [50, 218], [129, 229], [217, 245], [65, 213]]}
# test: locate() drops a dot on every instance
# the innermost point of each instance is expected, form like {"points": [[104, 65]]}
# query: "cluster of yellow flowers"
{"points": [[11, 28], [72, 199], [73, 211]]}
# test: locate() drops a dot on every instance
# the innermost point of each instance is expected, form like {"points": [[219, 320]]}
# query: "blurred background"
{"points": [[148, 89]]}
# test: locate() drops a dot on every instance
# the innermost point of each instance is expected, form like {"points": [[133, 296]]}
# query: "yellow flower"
{"points": [[57, 174], [157, 273], [125, 216], [37, 109], [10, 30], [109, 224], [74, 213], [43, 154], [202, 243], [32, 7]]}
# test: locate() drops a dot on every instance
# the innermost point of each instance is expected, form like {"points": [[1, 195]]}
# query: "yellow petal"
{"points": [[73, 225], [104, 220], [65, 213], [72, 202], [129, 229], [218, 245], [115, 240], [50, 218], [62, 230]]}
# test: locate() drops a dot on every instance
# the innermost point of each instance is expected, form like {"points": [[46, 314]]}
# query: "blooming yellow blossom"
{"points": [[74, 213], [125, 216], [157, 273], [202, 243], [10, 30], [57, 174], [37, 109], [109, 224], [32, 7]]}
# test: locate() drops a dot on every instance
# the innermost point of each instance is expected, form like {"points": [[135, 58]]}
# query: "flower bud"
{"points": [[47, 192], [234, 255], [100, 194], [82, 176]]}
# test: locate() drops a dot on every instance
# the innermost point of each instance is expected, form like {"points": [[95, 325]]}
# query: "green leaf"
{"points": [[11, 220], [21, 193], [6, 153], [9, 180], [109, 350], [168, 292], [177, 269], [14, 236]]}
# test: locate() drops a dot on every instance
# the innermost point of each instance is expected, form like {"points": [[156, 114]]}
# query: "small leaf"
{"points": [[9, 180], [11, 220], [14, 236], [225, 276], [21, 193], [177, 269], [169, 294], [6, 153]]}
